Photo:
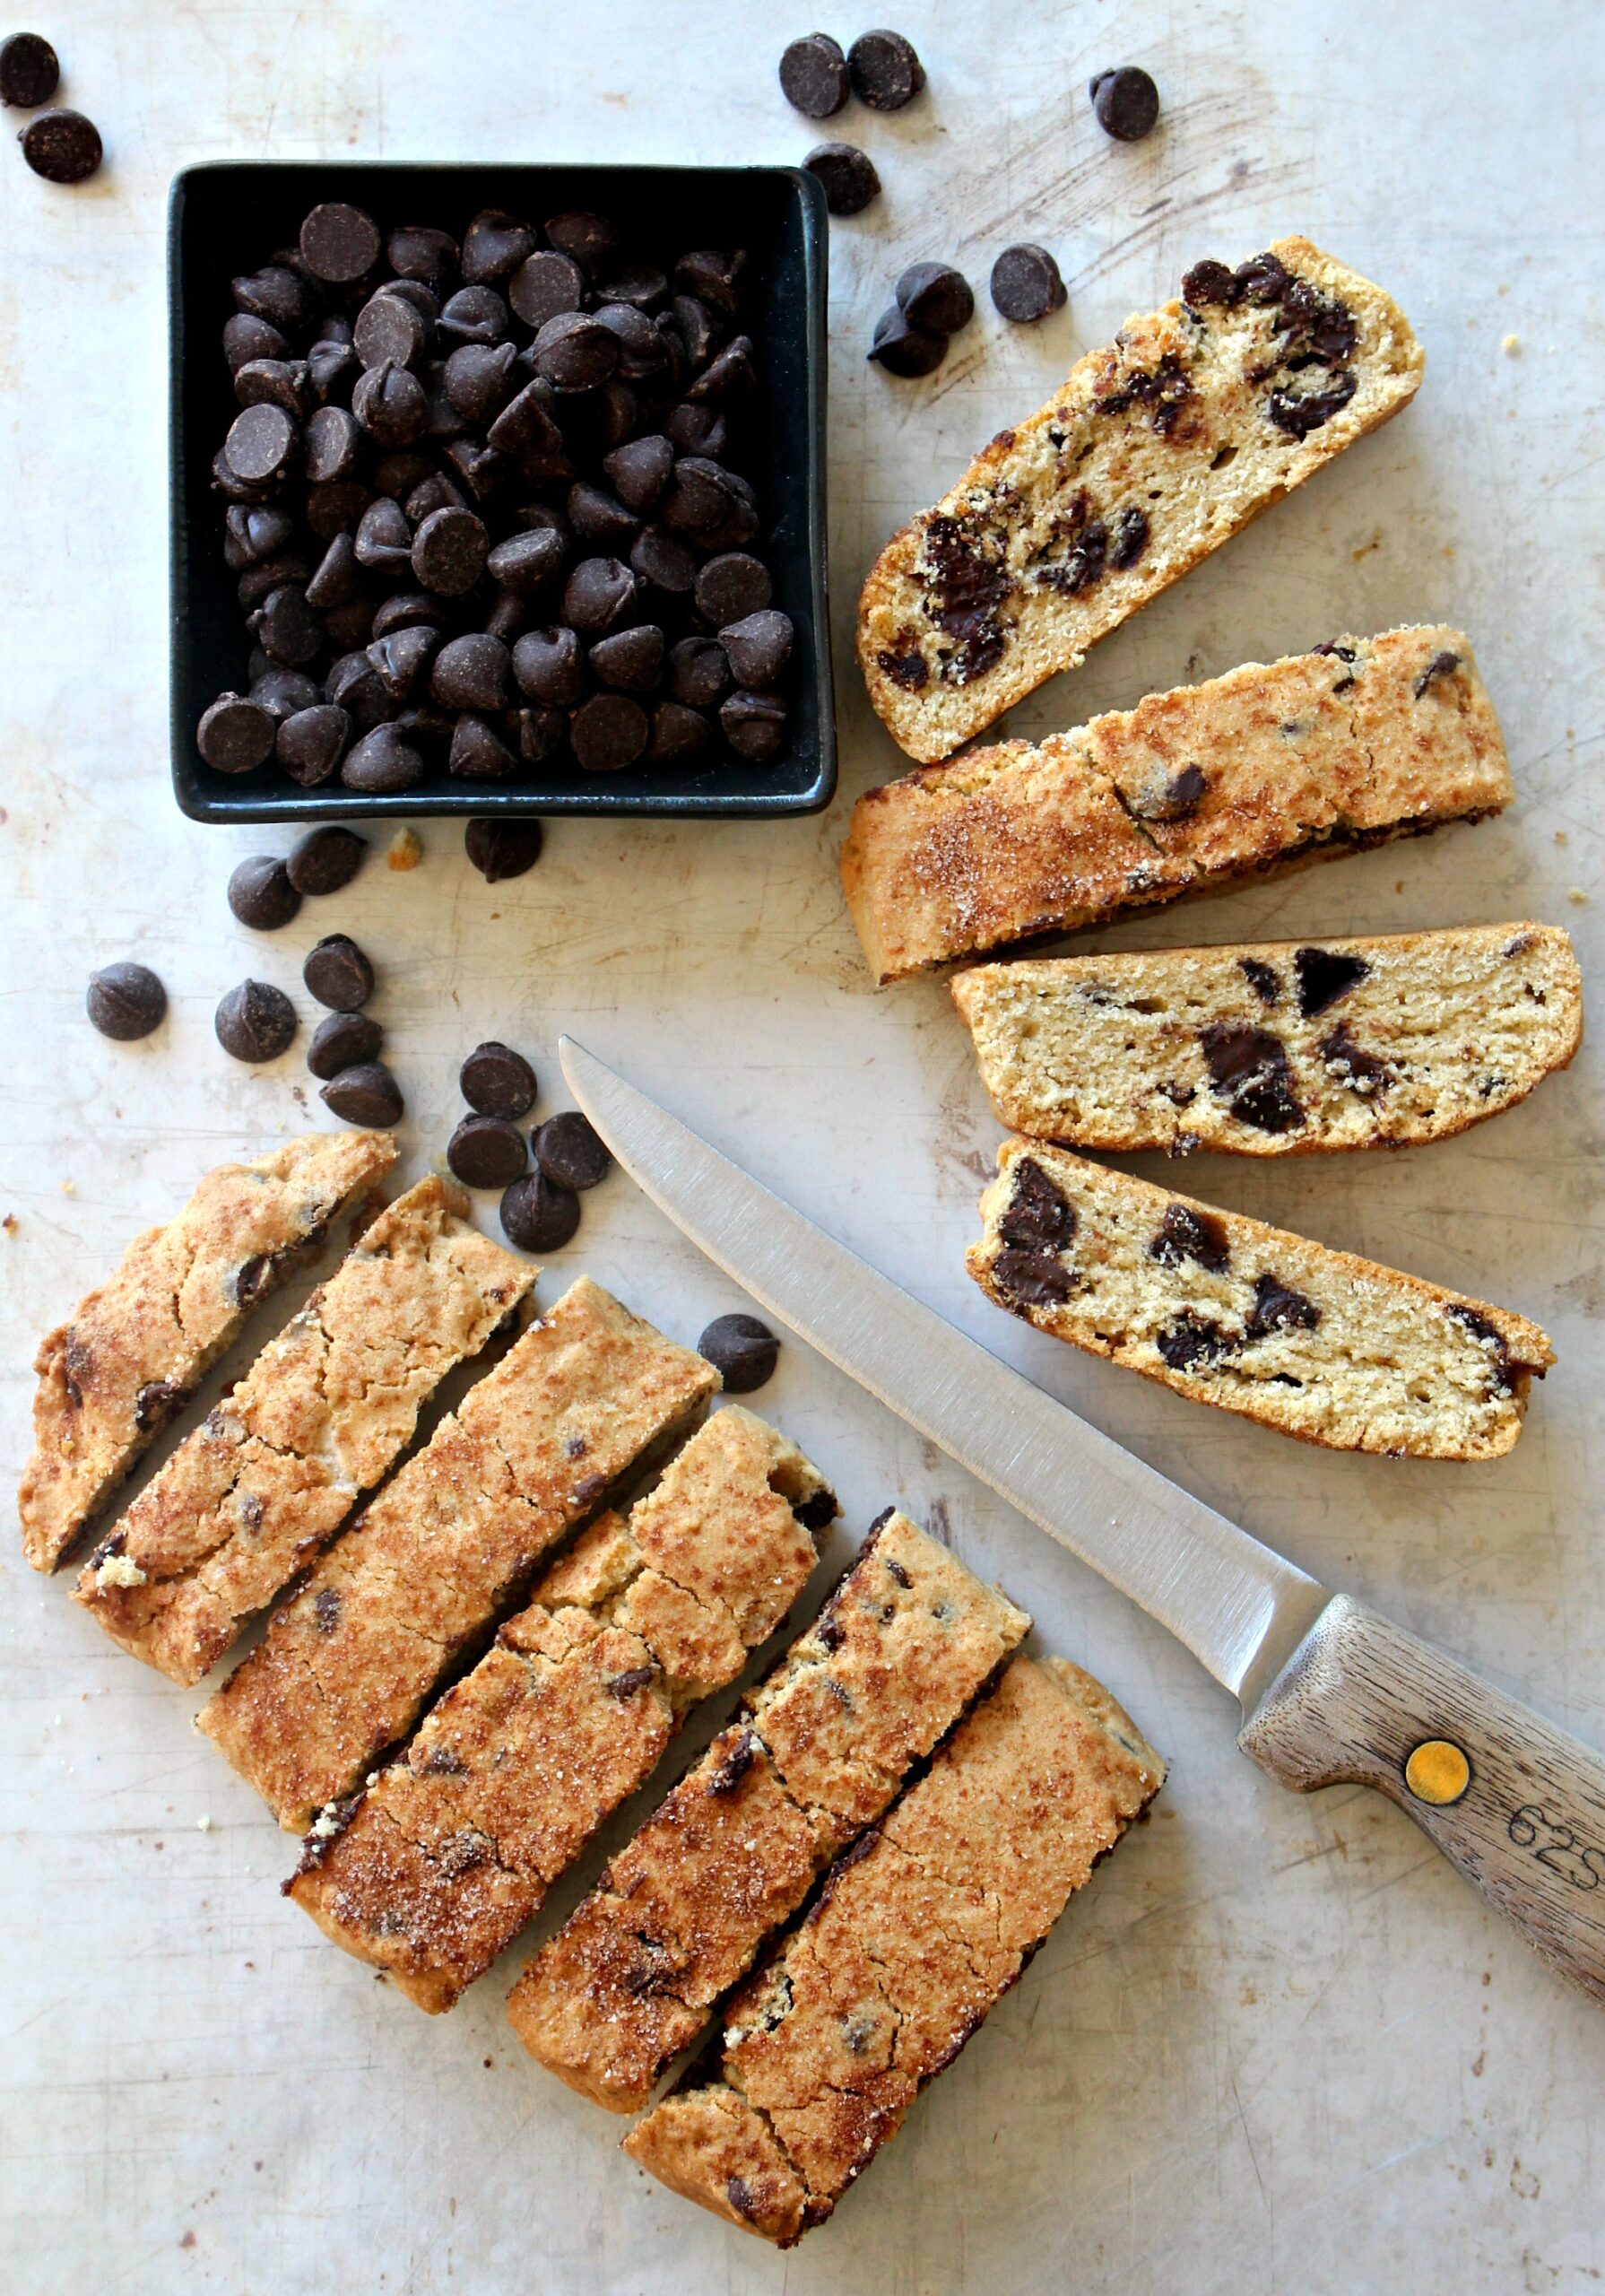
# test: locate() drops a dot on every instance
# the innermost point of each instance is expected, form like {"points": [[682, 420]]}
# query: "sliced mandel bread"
{"points": [[1276, 1047], [1226, 1310], [1153, 453], [1194, 791]]}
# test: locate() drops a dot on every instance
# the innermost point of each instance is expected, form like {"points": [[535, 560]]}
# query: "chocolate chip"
{"points": [[494, 245], [731, 586], [366, 1093], [389, 403], [570, 1150], [845, 175], [1298, 416], [125, 1001], [599, 595], [274, 382], [487, 1152], [1131, 538], [591, 239], [1366, 1073], [261, 895], [419, 251], [1278, 1308], [383, 764], [339, 243], [1025, 284], [758, 646], [1264, 980], [29, 73], [698, 673], [389, 329], [1323, 976], [734, 1765], [902, 349], [1169, 797], [62, 146], [1126, 103], [478, 752], [537, 1216], [906, 666], [528, 562], [1207, 282], [498, 1081], [678, 734], [235, 735], [343, 1040], [502, 848], [814, 78], [665, 564], [1040, 1217], [639, 470], [696, 430], [885, 71], [286, 628], [549, 666], [733, 372], [261, 444], [599, 518], [246, 339], [1442, 665], [326, 860], [743, 1352], [384, 539], [338, 974], [474, 315], [470, 673], [625, 1686], [1192, 1340], [631, 659], [1249, 1068], [574, 352], [754, 724], [936, 298], [256, 1021], [402, 656], [275, 293], [1187, 1233], [608, 733], [1031, 1279]]}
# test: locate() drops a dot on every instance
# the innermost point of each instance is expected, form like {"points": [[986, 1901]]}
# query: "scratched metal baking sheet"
{"points": [[1276, 2046]]}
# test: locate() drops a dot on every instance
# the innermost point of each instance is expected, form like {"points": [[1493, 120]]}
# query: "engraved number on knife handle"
{"points": [[1360, 1697]]}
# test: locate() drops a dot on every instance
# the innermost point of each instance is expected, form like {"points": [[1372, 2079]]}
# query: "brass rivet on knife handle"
{"points": [[1514, 1804]]}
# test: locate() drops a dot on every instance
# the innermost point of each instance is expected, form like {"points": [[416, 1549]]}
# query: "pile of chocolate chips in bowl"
{"points": [[482, 512]]}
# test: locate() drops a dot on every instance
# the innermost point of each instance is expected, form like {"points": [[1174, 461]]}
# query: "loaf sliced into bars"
{"points": [[325, 1410], [1194, 791], [914, 1939], [137, 1346], [1276, 1047], [450, 1850], [1154, 452], [1313, 1342], [590, 1398], [898, 1655]]}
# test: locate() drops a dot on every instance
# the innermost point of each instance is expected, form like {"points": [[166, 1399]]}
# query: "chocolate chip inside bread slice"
{"points": [[1313, 1342], [1276, 1047], [1154, 452]]}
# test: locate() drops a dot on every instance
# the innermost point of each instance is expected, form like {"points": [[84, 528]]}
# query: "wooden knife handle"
{"points": [[1512, 1802]]}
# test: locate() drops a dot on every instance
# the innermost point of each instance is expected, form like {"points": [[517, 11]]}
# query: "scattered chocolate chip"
{"points": [[1366, 1073], [500, 849], [1130, 540], [366, 1093], [235, 735], [1126, 103], [814, 78], [1278, 1308], [845, 175], [906, 666], [935, 298], [1298, 416], [1040, 1217], [29, 73], [537, 1216], [1192, 1340], [256, 1021], [1264, 980], [885, 71], [1169, 797], [487, 1152], [326, 860], [1442, 665], [383, 764], [1031, 1279], [571, 1153], [608, 733], [1323, 976], [1187, 1233], [1249, 1069], [62, 146], [498, 1081], [902, 349], [261, 895], [1025, 284], [125, 1001], [743, 1352], [343, 1040], [338, 974], [339, 243]]}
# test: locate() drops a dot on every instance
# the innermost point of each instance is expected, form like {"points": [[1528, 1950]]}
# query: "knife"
{"points": [[1331, 1693]]}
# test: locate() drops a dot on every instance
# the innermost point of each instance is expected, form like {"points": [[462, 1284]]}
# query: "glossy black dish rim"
{"points": [[205, 796]]}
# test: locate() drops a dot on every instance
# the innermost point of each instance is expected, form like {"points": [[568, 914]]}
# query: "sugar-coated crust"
{"points": [[1313, 1342], [900, 1651], [266, 1480], [914, 1937], [589, 1398], [1268, 768], [451, 1849], [1392, 1039], [136, 1347], [1195, 460]]}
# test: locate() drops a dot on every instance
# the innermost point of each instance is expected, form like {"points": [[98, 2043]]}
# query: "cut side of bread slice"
{"points": [[1313, 1342], [1154, 452], [1195, 791], [1276, 1047]]}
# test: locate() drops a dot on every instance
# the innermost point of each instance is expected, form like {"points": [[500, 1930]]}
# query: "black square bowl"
{"points": [[230, 217]]}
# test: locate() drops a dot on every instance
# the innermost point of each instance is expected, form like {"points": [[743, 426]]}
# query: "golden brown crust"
{"points": [[1173, 424], [1193, 792], [138, 1345]]}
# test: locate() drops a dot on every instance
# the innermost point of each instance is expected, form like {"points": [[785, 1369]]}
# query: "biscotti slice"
{"points": [[1194, 791], [451, 1850], [1313, 1342], [138, 1346], [914, 1939], [1276, 1047], [1153, 453], [268, 1477], [900, 1651], [590, 1398]]}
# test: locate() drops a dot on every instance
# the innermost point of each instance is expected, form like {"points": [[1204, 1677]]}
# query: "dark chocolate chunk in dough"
{"points": [[1277, 1307], [1187, 1233], [1443, 664], [1366, 1073], [1264, 980], [1031, 1279], [1323, 976], [1040, 1217], [1250, 1070], [1192, 1340]]}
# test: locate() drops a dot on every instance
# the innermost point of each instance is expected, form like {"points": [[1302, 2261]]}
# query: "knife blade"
{"points": [[1331, 1692]]}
